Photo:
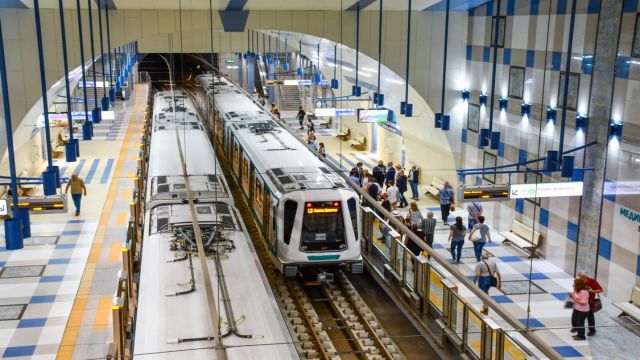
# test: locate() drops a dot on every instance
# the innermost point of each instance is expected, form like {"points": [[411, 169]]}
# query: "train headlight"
{"points": [[342, 246]]}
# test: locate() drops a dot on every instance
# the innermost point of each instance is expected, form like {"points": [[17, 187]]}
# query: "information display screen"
{"points": [[373, 115]]}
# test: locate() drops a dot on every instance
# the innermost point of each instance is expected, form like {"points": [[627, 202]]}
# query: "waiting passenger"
{"points": [[365, 177], [410, 244], [446, 201], [354, 177], [276, 113], [300, 117], [485, 272], [373, 189], [429, 228], [482, 234], [386, 204], [378, 173], [456, 236], [310, 125], [392, 191], [594, 288], [474, 209], [581, 309], [322, 151], [414, 216], [414, 174], [359, 172], [401, 183], [311, 136], [313, 145], [391, 173]]}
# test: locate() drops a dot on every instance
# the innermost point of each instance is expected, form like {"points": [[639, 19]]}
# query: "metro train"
{"points": [[307, 213], [172, 306]]}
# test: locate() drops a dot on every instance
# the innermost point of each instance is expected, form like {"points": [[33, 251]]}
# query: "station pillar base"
{"points": [[96, 115], [70, 152], [26, 223], [13, 234], [105, 103], [86, 131], [49, 182]]}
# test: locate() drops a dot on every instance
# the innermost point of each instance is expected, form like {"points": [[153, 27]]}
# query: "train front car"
{"points": [[307, 213]]}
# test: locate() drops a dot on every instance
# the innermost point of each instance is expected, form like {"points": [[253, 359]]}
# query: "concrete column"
{"points": [[602, 84]]}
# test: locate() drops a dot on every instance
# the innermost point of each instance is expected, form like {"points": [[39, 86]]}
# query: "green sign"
{"points": [[230, 61]]}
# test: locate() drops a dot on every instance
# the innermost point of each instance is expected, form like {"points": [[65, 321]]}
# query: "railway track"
{"points": [[326, 321]]}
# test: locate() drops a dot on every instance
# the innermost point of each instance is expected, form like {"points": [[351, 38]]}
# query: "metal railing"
{"points": [[432, 291]]}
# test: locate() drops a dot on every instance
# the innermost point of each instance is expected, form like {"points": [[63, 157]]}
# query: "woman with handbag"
{"points": [[595, 304], [487, 276], [478, 236], [580, 299]]}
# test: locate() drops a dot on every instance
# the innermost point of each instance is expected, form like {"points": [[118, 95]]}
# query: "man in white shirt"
{"points": [[484, 271], [392, 191]]}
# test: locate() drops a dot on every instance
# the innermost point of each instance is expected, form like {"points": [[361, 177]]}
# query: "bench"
{"points": [[325, 123], [359, 142], [434, 188], [523, 237], [344, 133], [631, 308], [27, 190]]}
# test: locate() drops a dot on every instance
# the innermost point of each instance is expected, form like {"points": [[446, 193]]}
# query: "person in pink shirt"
{"points": [[580, 299]]}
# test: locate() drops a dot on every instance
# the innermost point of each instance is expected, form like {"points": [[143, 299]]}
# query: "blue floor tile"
{"points": [[15, 351], [509, 258], [29, 323], [2, 263], [567, 351], [533, 322], [560, 296], [76, 221], [65, 246], [52, 278], [491, 244], [438, 246], [40, 299], [502, 299], [536, 276], [59, 261], [71, 232]]}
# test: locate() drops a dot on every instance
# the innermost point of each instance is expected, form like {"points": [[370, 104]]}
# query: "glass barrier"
{"points": [[473, 333], [456, 315], [512, 349], [436, 290], [409, 270], [398, 250]]}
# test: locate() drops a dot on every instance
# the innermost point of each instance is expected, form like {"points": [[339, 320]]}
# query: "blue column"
{"points": [[86, 127], [105, 99], [51, 176], [70, 148], [112, 92], [379, 97], [406, 108], [96, 115], [286, 55], [13, 226], [355, 89]]}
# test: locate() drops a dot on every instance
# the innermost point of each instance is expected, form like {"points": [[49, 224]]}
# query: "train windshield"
{"points": [[323, 227]]}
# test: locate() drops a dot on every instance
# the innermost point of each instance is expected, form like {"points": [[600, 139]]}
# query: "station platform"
{"points": [[56, 293], [534, 290]]}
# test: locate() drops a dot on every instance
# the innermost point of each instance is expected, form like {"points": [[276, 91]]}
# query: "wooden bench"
{"points": [[325, 122], [434, 188], [523, 237], [344, 133], [26, 190], [631, 308], [359, 142]]}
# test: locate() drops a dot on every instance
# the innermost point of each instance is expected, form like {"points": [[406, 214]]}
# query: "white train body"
{"points": [[307, 213], [172, 318]]}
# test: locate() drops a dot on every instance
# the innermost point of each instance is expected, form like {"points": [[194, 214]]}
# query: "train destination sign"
{"points": [[524, 191]]}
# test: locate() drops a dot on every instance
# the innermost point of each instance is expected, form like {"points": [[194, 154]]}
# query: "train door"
{"points": [[268, 221]]}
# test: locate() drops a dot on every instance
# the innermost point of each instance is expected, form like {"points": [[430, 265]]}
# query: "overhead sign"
{"points": [[524, 191], [92, 84], [334, 112], [303, 82], [622, 187], [484, 192], [230, 61]]}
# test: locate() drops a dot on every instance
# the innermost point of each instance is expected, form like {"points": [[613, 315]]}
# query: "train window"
{"points": [[353, 211], [290, 209], [258, 193], [323, 227]]}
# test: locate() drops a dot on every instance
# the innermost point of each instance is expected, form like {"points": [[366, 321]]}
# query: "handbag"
{"points": [[494, 280], [596, 304], [477, 236]]}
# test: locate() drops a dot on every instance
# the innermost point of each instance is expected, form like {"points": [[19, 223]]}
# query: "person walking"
{"points": [[446, 201], [429, 228], [456, 236], [322, 150], [485, 271], [300, 117], [410, 244], [481, 230], [414, 216], [580, 297], [414, 175], [474, 209], [77, 190], [401, 183], [594, 288]]}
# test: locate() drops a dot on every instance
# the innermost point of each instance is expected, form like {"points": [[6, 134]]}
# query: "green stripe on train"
{"points": [[323, 257]]}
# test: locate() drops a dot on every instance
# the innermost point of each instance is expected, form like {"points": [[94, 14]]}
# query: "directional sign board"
{"points": [[5, 210], [523, 191]]}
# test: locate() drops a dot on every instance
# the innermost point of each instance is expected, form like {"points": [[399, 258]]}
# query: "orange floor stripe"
{"points": [[126, 195], [115, 253], [71, 331], [122, 218], [102, 314]]}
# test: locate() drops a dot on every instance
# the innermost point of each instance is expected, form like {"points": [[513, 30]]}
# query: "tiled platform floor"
{"points": [[544, 311], [66, 297]]}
